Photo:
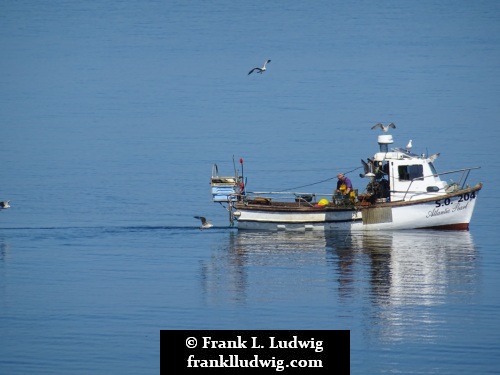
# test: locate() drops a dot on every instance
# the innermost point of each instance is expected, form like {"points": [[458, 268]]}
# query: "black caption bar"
{"points": [[255, 352]]}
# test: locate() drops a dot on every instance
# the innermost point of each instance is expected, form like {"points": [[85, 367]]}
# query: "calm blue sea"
{"points": [[112, 114]]}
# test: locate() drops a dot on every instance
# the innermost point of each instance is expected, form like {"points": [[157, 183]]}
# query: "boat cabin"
{"points": [[400, 175]]}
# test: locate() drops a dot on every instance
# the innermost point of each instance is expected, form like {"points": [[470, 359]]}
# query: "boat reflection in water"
{"points": [[262, 264], [410, 274], [406, 264], [386, 276]]}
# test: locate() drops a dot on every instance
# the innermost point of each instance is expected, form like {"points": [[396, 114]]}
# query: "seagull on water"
{"points": [[4, 204], [384, 128], [260, 70], [205, 224]]}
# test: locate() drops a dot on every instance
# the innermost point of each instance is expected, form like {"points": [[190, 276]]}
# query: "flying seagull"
{"points": [[384, 128], [260, 70], [4, 204], [205, 224], [434, 156]]}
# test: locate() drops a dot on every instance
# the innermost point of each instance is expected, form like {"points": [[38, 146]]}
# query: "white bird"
{"points": [[384, 128], [409, 146], [4, 204], [260, 70], [205, 224], [434, 157], [368, 168]]}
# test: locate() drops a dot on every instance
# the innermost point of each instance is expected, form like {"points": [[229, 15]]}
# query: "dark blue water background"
{"points": [[112, 114]]}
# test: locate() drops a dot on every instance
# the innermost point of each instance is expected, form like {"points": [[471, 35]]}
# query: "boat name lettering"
{"points": [[445, 208], [459, 206], [437, 212]]}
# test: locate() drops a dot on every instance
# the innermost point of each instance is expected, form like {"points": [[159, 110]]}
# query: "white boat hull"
{"points": [[451, 211]]}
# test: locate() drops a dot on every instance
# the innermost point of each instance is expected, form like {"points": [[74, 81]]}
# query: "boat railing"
{"points": [[461, 182], [305, 198]]}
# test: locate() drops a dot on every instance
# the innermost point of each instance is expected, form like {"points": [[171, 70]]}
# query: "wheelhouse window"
{"points": [[410, 172], [433, 169]]}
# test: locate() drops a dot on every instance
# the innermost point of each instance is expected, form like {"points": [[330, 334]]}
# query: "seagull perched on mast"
{"points": [[205, 224], [384, 128], [260, 70]]}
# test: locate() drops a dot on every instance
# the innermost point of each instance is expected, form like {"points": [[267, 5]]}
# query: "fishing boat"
{"points": [[403, 191]]}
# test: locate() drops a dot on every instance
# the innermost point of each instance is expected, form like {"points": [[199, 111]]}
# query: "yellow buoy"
{"points": [[323, 202]]}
